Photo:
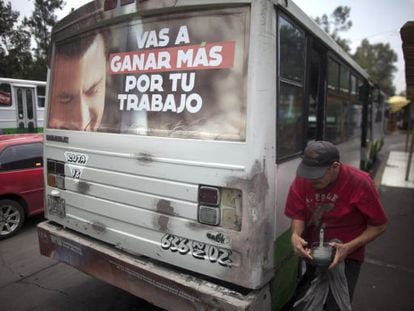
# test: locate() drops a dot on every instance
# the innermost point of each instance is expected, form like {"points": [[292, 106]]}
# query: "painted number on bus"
{"points": [[198, 250]]}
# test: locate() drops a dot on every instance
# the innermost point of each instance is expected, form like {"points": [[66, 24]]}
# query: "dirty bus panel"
{"points": [[148, 146]]}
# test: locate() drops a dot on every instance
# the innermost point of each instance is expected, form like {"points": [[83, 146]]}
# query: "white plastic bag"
{"points": [[333, 279]]}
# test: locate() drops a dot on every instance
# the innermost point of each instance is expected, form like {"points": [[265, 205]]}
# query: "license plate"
{"points": [[56, 206]]}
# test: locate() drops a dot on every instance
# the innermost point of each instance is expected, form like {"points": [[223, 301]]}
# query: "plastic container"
{"points": [[323, 255]]}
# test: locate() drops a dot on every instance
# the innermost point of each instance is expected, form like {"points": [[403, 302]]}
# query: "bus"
{"points": [[173, 131], [22, 105]]}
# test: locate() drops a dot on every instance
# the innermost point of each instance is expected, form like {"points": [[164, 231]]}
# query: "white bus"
{"points": [[173, 131], [22, 105]]}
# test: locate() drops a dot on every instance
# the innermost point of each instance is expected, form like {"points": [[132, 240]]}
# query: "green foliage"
{"points": [[41, 23], [338, 21], [8, 18], [17, 59], [15, 54], [379, 61]]}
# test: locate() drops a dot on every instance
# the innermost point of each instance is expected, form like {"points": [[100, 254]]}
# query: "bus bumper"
{"points": [[154, 282]]}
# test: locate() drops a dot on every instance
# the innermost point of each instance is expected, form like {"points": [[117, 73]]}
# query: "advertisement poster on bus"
{"points": [[181, 75]]}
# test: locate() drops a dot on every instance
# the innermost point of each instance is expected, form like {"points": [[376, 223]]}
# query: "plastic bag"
{"points": [[333, 279]]}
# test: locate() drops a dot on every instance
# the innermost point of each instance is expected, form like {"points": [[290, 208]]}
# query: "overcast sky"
{"points": [[376, 20]]}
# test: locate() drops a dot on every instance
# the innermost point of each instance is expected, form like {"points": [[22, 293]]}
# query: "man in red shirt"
{"points": [[338, 198]]}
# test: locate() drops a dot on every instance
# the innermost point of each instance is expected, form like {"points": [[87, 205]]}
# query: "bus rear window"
{"points": [[5, 95], [41, 92], [181, 75]]}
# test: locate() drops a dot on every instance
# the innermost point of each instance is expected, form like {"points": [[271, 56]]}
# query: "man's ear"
{"points": [[336, 164]]}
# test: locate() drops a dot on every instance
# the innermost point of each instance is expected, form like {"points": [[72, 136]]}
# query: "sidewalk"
{"points": [[386, 281], [396, 169]]}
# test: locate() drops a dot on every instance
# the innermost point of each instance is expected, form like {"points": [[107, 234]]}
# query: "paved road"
{"points": [[29, 281]]}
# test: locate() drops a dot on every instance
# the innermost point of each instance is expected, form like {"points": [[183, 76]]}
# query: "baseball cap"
{"points": [[317, 158]]}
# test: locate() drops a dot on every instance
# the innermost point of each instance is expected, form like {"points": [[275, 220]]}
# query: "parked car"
{"points": [[21, 180]]}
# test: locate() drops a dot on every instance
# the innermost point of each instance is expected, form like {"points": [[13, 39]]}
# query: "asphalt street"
{"points": [[29, 281]]}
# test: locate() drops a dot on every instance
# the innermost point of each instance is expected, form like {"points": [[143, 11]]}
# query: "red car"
{"points": [[21, 180]]}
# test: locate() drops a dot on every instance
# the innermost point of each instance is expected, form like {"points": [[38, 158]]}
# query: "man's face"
{"points": [[330, 176], [78, 93]]}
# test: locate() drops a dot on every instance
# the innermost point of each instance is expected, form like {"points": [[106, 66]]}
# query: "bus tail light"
{"points": [[110, 4], [56, 174], [209, 195], [231, 208], [208, 208], [209, 215], [220, 206]]}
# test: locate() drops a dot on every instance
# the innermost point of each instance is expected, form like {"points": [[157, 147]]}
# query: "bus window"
{"points": [[5, 95], [344, 86], [187, 80], [316, 96], [354, 90], [41, 94], [333, 75], [29, 103], [290, 106], [334, 119], [291, 49], [20, 111], [355, 119]]}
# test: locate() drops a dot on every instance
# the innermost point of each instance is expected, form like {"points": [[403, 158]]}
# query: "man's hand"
{"points": [[299, 246], [342, 250]]}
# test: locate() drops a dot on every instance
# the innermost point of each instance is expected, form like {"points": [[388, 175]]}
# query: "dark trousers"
{"points": [[352, 268]]}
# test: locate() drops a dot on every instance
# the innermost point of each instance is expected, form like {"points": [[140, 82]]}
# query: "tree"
{"points": [[337, 22], [378, 60], [40, 24], [8, 19], [15, 56]]}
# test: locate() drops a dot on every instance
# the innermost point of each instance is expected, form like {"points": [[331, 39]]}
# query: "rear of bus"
{"points": [[160, 133]]}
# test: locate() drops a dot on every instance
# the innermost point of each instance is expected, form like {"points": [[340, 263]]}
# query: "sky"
{"points": [[375, 20]]}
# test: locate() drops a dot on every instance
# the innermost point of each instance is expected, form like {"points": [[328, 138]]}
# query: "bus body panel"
{"points": [[140, 193], [149, 280]]}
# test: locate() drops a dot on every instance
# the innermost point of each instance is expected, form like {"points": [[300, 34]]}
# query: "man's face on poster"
{"points": [[78, 93]]}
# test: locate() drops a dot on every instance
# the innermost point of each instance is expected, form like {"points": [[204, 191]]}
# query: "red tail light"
{"points": [[209, 195], [110, 4]]}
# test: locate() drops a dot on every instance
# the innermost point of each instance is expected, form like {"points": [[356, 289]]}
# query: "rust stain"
{"points": [[99, 227], [144, 157], [255, 188], [164, 207], [83, 187], [163, 223]]}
